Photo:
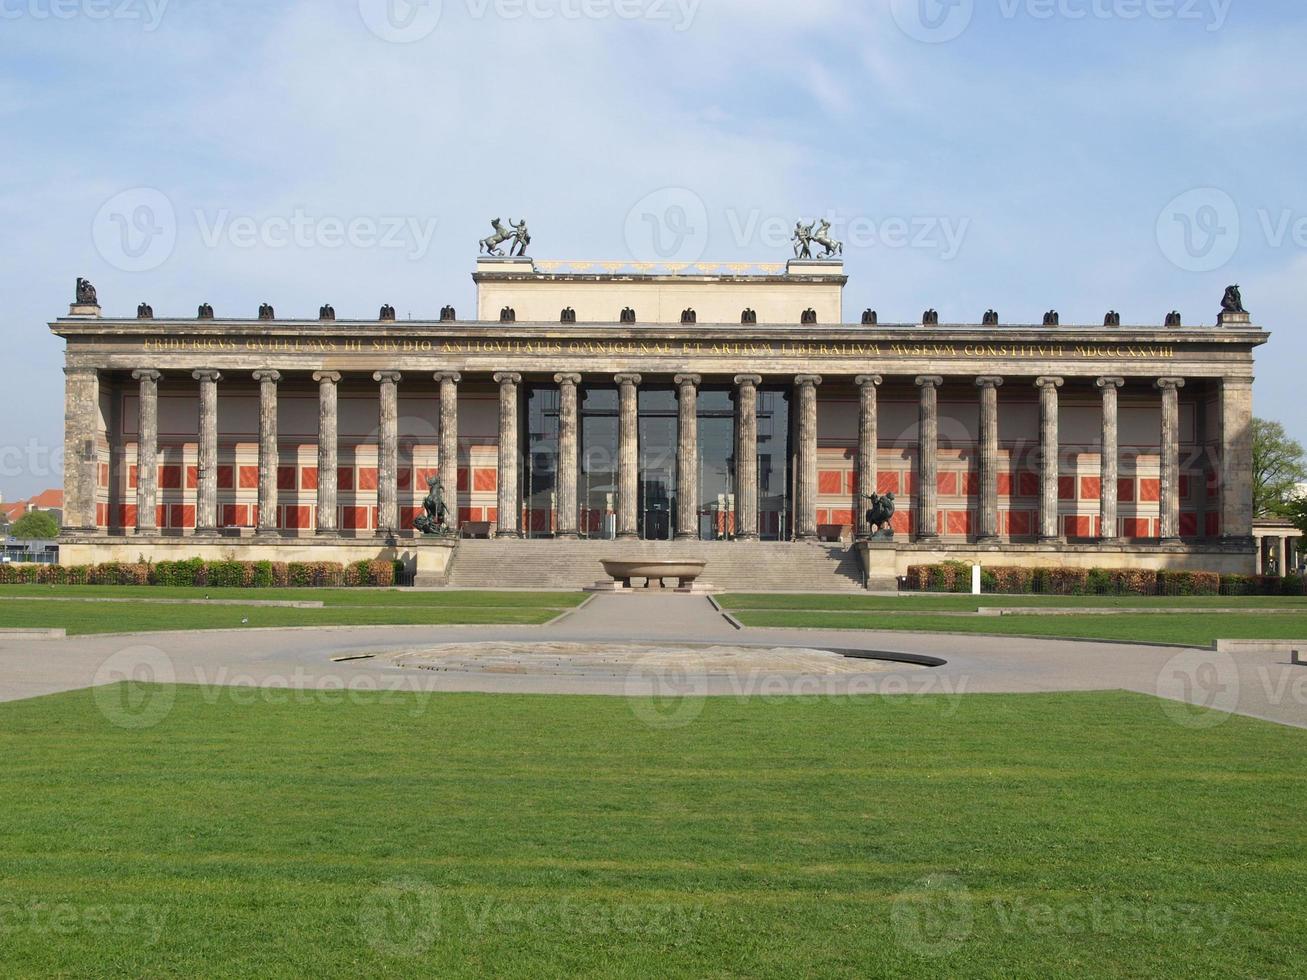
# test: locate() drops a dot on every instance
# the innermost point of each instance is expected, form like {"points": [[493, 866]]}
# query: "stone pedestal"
{"points": [[879, 560]]}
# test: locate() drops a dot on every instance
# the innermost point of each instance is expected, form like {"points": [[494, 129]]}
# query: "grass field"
{"points": [[23, 606], [1133, 621], [459, 835]]}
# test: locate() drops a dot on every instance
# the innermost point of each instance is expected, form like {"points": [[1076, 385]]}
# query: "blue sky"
{"points": [[1016, 154]]}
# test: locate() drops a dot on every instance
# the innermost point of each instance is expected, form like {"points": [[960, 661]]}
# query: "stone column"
{"points": [[81, 460], [687, 457], [268, 454], [628, 456], [1110, 459], [746, 456], [805, 497], [1170, 505], [206, 496], [928, 458], [1050, 450], [328, 450], [388, 452], [448, 381], [868, 448], [147, 454], [1281, 556], [987, 526], [509, 520], [1236, 464], [568, 449]]}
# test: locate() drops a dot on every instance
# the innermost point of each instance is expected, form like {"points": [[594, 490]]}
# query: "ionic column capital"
{"points": [[688, 380], [1048, 382], [1173, 384], [327, 377], [207, 374], [929, 381], [628, 379], [1110, 382], [388, 377], [267, 375], [503, 378], [989, 381], [146, 374], [863, 380], [748, 380], [808, 380], [571, 380], [451, 376]]}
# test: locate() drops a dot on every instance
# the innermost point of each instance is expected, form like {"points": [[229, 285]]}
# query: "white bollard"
{"points": [[975, 580]]}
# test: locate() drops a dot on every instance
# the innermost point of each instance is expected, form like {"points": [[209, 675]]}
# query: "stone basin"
{"points": [[686, 572]]}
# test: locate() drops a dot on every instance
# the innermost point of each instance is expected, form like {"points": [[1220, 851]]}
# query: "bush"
{"points": [[216, 574], [1188, 583]]}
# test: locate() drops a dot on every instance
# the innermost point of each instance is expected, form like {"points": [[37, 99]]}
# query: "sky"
{"points": [[1021, 155]]}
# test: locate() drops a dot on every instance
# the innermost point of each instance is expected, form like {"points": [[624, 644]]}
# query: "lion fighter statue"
{"points": [[880, 515]]}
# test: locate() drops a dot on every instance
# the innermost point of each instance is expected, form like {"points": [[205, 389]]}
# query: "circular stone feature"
{"points": [[620, 658]]}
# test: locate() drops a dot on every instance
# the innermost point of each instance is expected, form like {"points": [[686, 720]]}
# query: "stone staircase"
{"points": [[733, 566]]}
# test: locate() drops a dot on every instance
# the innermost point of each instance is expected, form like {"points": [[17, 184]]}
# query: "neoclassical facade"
{"points": [[620, 403]]}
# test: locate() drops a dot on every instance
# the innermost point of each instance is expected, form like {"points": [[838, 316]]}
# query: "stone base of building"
{"points": [[426, 559], [884, 563]]}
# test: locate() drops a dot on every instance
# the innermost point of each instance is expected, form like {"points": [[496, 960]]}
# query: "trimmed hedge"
{"points": [[211, 574], [997, 580]]}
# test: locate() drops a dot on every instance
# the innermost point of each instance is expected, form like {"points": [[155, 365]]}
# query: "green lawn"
{"points": [[464, 835], [344, 607], [1133, 621]]}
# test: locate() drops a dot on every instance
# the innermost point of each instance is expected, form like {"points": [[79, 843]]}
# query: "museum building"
{"points": [[702, 407]]}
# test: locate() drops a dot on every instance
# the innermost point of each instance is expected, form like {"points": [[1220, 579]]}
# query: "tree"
{"points": [[1278, 468], [35, 525]]}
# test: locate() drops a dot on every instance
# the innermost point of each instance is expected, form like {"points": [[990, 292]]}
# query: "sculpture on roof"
{"points": [[815, 233], [1233, 300], [516, 232], [86, 293]]}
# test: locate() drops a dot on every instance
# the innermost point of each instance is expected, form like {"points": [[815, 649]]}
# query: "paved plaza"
{"points": [[641, 629]]}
